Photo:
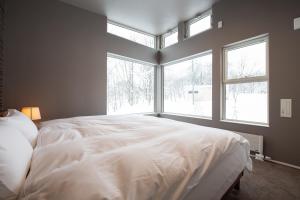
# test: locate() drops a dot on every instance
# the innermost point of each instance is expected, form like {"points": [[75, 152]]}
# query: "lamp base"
{"points": [[37, 123], [3, 113]]}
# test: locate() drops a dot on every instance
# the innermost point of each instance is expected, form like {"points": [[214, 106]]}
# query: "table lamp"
{"points": [[32, 112]]}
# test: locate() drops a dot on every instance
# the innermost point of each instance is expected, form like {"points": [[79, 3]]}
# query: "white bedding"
{"points": [[215, 184], [129, 157]]}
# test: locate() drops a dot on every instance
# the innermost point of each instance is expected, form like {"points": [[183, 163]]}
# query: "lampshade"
{"points": [[32, 112]]}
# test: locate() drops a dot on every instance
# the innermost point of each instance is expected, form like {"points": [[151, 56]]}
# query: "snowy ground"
{"points": [[249, 107]]}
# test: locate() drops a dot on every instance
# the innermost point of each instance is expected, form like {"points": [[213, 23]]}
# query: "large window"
{"points": [[170, 38], [130, 34], [188, 86], [245, 81], [199, 24], [130, 86]]}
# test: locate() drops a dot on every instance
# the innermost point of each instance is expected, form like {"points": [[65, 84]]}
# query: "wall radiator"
{"points": [[256, 148], [256, 144]]}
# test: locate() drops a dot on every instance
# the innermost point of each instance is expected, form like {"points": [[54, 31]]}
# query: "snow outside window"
{"points": [[199, 24], [130, 34], [188, 87], [130, 86], [245, 82], [170, 38]]}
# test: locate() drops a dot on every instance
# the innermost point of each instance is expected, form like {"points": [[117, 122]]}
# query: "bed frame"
{"points": [[236, 185]]}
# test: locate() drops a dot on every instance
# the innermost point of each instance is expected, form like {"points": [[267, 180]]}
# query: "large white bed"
{"points": [[133, 157]]}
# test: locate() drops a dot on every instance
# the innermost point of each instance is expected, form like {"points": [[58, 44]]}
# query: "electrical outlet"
{"points": [[267, 158]]}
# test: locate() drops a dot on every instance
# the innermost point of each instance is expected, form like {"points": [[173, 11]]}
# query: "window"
{"points": [[130, 86], [245, 82], [170, 38], [188, 86], [130, 34], [199, 24]]}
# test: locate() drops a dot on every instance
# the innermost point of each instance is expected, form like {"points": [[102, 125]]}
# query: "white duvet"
{"points": [[129, 157]]}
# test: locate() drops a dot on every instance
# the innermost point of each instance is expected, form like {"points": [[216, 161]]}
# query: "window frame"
{"points": [[132, 29], [196, 19], [128, 59], [204, 53], [255, 79], [163, 37]]}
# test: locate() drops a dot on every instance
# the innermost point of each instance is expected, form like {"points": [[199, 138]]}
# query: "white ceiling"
{"points": [[152, 16]]}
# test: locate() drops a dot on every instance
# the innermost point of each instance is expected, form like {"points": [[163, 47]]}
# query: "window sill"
{"points": [[141, 113], [245, 123], [150, 114], [186, 115]]}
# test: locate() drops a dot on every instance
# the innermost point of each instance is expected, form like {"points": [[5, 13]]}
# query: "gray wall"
{"points": [[55, 58], [242, 20], [2, 25], [130, 49]]}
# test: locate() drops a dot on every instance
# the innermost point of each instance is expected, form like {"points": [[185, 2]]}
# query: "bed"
{"points": [[133, 157]]}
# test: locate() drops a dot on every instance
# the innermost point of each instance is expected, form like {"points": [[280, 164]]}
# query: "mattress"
{"points": [[220, 178], [133, 157]]}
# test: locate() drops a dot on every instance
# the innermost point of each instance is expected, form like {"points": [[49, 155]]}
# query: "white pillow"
{"points": [[15, 158], [22, 123]]}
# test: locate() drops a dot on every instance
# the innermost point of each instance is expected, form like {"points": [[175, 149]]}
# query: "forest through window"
{"points": [[188, 86], [130, 86], [246, 82]]}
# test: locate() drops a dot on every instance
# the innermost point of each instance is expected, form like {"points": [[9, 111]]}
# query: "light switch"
{"points": [[297, 23], [286, 108], [220, 24]]}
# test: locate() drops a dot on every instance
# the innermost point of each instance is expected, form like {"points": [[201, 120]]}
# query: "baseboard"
{"points": [[268, 159], [283, 163]]}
